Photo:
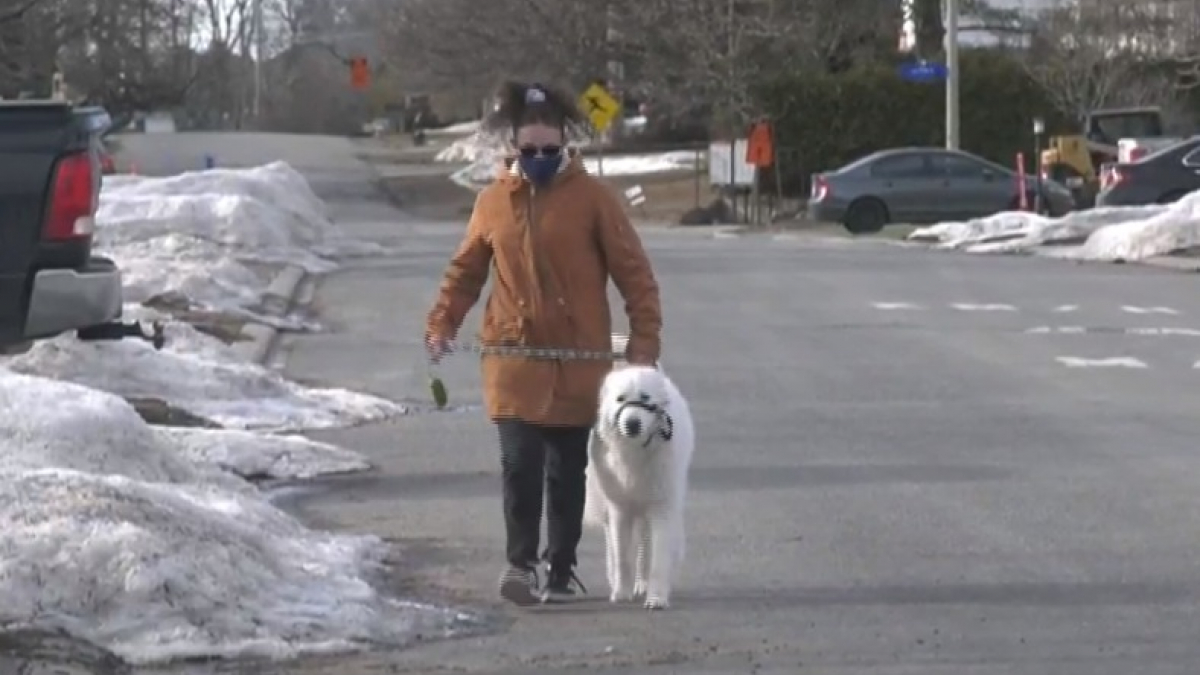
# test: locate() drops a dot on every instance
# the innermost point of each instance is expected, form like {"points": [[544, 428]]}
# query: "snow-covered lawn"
{"points": [[1102, 234], [143, 541]]}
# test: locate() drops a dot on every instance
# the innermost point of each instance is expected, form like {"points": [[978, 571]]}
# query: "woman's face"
{"points": [[539, 139]]}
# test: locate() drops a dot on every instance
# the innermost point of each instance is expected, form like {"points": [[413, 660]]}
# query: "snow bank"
{"points": [[256, 455], [1111, 233], [484, 154], [191, 234], [462, 128], [48, 424], [154, 572], [108, 533], [478, 147], [202, 375], [637, 165]]}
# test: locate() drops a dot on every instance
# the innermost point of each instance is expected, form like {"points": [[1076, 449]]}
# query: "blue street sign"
{"points": [[922, 71]]}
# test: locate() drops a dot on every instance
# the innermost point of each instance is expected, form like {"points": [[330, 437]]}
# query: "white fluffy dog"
{"points": [[639, 454]]}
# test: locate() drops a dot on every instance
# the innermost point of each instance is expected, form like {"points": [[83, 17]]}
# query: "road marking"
{"points": [[1060, 330], [1066, 308], [1112, 362], [1080, 330], [993, 307], [888, 306], [1133, 309]]}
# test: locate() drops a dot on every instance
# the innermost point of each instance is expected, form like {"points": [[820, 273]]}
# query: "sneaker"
{"points": [[562, 585], [519, 585]]}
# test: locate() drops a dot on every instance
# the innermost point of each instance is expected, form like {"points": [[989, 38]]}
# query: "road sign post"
{"points": [[760, 154], [601, 108]]}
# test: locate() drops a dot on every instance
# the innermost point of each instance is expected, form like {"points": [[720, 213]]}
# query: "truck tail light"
{"points": [[74, 197]]}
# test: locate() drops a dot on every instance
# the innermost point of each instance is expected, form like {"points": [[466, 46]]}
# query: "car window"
{"points": [[910, 165], [954, 166], [1192, 159]]}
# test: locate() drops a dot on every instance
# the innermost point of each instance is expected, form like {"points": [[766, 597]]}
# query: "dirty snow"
{"points": [[1127, 233], [195, 234], [110, 531], [201, 374], [256, 455], [462, 128]]}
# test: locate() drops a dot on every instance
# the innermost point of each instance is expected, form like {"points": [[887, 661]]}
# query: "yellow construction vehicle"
{"points": [[1074, 160]]}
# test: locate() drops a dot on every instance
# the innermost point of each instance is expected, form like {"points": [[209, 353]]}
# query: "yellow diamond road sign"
{"points": [[599, 106]]}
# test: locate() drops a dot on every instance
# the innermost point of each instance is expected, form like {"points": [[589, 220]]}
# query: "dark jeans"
{"points": [[536, 459]]}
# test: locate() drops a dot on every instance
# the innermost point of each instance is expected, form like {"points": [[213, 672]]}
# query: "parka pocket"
{"points": [[507, 330]]}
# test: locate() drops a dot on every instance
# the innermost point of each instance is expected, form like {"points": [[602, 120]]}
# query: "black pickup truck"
{"points": [[50, 175]]}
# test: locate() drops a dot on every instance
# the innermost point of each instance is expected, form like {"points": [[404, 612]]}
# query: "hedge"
{"points": [[825, 121]]}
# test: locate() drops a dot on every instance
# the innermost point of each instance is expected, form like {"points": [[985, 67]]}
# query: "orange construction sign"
{"points": [[360, 73], [760, 149]]}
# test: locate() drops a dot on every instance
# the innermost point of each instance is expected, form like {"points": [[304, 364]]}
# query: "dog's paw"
{"points": [[639, 589], [622, 595], [656, 603]]}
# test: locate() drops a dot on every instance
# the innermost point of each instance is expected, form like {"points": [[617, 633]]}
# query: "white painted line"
{"points": [[1066, 308], [1188, 332], [1133, 309], [1060, 330], [1110, 330], [992, 307], [886, 306], [1112, 362]]}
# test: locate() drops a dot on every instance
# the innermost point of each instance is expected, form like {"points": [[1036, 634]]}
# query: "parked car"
{"points": [[924, 185], [50, 282], [1162, 177]]}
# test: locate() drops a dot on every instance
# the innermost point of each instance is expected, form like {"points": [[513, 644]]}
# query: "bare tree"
{"points": [[1095, 54]]}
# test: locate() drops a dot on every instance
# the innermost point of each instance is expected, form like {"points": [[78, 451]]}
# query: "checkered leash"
{"points": [[438, 388]]}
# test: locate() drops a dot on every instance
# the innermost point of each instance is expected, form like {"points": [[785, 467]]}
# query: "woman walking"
{"points": [[554, 236]]}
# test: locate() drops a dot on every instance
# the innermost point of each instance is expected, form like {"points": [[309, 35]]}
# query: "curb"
{"points": [[1177, 263], [279, 298]]}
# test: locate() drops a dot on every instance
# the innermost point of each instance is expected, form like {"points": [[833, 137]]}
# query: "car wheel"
{"points": [[1172, 197], [866, 216]]}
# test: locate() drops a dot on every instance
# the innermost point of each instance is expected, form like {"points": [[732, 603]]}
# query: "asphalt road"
{"points": [[905, 464]]}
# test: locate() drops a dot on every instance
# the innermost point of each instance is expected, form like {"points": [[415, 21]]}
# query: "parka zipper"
{"points": [[539, 268]]}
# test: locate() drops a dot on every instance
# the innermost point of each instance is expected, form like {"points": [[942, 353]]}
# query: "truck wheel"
{"points": [[1172, 197], [866, 216]]}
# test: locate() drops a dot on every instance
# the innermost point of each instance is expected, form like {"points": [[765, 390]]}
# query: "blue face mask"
{"points": [[540, 169]]}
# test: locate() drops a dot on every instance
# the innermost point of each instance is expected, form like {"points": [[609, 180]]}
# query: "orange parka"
{"points": [[552, 250]]}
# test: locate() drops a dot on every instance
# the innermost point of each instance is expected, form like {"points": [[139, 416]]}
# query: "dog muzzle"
{"points": [[662, 427]]}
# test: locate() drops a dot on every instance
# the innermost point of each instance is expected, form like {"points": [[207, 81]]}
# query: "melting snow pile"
{"points": [[191, 234], [200, 374], [110, 533], [1108, 234]]}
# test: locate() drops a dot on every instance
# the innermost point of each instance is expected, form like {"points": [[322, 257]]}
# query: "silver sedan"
{"points": [[924, 185]]}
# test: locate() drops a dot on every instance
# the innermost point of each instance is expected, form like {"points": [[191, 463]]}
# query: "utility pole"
{"points": [[952, 74], [260, 40]]}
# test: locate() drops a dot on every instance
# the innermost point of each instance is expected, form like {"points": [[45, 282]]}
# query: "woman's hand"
{"points": [[436, 346]]}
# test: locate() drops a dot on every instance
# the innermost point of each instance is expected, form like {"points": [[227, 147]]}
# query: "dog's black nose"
{"points": [[633, 426]]}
